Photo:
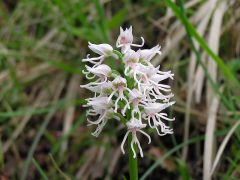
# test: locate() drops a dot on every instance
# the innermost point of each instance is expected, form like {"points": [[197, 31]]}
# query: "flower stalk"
{"points": [[133, 162]]}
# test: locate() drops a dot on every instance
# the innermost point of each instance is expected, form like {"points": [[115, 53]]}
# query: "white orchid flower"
{"points": [[102, 107], [135, 126], [104, 50], [102, 71], [154, 114], [125, 40], [103, 89]]}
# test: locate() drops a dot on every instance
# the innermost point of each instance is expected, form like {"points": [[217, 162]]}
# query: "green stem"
{"points": [[133, 165]]}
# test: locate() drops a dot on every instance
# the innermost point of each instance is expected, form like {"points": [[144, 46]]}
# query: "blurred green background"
{"points": [[43, 132]]}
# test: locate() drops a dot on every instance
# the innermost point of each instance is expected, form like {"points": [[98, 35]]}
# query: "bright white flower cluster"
{"points": [[135, 96]]}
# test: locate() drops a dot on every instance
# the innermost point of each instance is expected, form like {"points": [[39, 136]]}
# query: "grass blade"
{"points": [[40, 170]]}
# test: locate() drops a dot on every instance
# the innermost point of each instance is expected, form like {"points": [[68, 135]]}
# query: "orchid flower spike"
{"points": [[135, 95]]}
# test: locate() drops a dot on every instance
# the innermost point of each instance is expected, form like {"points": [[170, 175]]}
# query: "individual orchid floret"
{"points": [[119, 86], [125, 40], [153, 113], [135, 126], [102, 71], [146, 55], [104, 50], [149, 77], [102, 107], [99, 105], [103, 89], [158, 87]]}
